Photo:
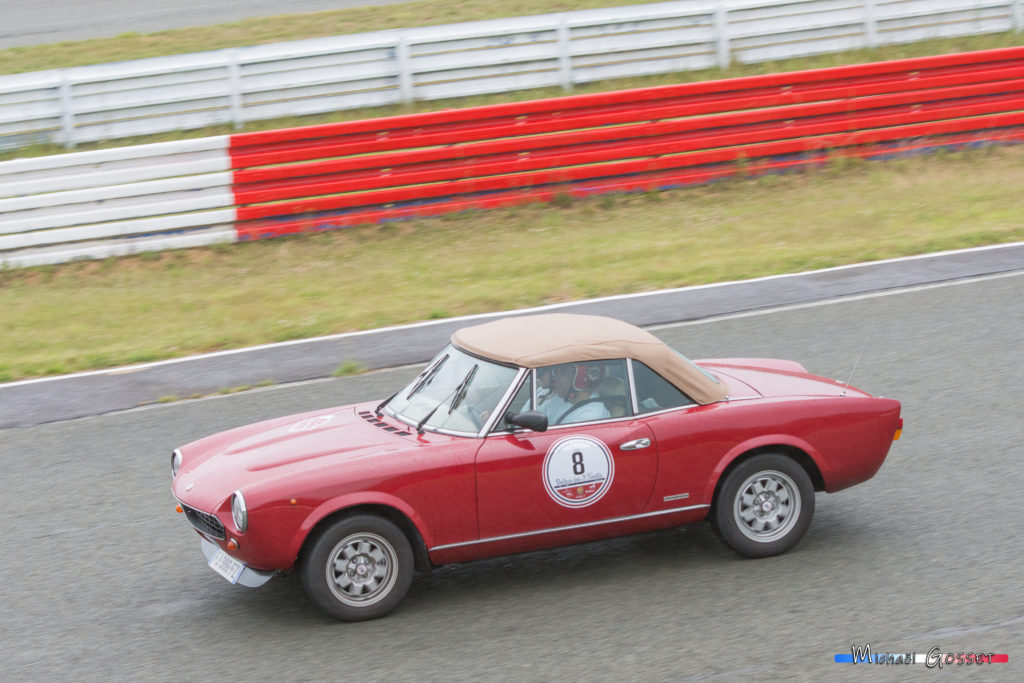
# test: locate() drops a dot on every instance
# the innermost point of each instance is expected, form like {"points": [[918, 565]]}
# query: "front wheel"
{"points": [[359, 568], [764, 506]]}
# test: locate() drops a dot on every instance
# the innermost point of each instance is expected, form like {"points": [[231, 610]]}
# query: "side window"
{"points": [[654, 392], [584, 391]]}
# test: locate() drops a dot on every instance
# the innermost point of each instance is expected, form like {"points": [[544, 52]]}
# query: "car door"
{"points": [[690, 439], [570, 475]]}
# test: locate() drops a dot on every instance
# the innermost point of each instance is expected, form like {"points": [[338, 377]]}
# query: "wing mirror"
{"points": [[534, 420]]}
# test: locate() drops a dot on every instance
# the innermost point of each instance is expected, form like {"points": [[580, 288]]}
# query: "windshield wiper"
{"points": [[426, 376], [380, 406], [455, 392], [460, 391]]}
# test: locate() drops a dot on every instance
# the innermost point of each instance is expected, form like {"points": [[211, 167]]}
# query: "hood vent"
{"points": [[373, 419]]}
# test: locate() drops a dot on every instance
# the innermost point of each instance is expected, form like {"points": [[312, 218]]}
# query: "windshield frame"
{"points": [[450, 350]]}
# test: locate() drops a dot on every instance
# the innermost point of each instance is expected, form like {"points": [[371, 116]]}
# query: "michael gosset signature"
{"points": [[935, 658]]}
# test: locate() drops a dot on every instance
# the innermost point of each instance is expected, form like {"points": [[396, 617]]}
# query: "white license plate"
{"points": [[226, 566]]}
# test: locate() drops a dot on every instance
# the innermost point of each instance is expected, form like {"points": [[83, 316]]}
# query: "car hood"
{"points": [[215, 466], [772, 377]]}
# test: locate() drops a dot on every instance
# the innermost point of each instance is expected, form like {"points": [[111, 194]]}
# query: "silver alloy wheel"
{"points": [[767, 506], [362, 569]]}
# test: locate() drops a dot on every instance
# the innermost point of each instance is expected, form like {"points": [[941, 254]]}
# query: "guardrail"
{"points": [[330, 176], [111, 101], [115, 202]]}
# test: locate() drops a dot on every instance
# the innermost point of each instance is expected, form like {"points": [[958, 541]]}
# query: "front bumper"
{"points": [[249, 577]]}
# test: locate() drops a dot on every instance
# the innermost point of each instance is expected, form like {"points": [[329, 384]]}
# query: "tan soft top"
{"points": [[533, 341]]}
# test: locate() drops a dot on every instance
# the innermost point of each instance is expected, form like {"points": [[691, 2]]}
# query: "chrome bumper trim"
{"points": [[250, 578], [570, 527]]}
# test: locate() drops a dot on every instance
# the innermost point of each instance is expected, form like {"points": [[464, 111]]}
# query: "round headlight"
{"points": [[175, 463], [239, 514]]}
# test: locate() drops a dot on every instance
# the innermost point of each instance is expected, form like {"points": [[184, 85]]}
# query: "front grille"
{"points": [[205, 522]]}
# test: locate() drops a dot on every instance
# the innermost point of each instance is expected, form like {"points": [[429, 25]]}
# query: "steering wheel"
{"points": [[581, 404]]}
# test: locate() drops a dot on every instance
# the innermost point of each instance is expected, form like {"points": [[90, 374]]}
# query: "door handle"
{"points": [[635, 444]]}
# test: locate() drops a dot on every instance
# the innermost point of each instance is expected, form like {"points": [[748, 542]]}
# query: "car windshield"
{"points": [[455, 392]]}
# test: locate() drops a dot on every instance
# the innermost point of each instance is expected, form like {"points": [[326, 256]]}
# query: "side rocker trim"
{"points": [[613, 520]]}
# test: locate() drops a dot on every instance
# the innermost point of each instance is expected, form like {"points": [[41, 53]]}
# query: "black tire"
{"points": [[358, 568], [764, 506]]}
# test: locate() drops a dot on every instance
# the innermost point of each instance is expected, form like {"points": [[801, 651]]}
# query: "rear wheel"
{"points": [[359, 568], [764, 506]]}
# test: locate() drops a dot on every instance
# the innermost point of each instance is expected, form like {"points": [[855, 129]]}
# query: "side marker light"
{"points": [[177, 508]]}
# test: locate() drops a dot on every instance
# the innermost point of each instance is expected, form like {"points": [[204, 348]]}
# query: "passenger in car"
{"points": [[613, 391]]}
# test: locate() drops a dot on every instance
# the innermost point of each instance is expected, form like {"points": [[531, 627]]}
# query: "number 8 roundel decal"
{"points": [[578, 471]]}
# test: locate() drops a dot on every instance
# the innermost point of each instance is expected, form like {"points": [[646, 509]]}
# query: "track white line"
{"points": [[837, 300]]}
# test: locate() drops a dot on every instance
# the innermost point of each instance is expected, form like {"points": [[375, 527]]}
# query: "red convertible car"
{"points": [[526, 433]]}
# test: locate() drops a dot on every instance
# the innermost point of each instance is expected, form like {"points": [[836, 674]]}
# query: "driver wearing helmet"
{"points": [[559, 402]]}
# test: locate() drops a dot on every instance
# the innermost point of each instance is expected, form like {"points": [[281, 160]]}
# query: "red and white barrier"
{"points": [[266, 184], [322, 177]]}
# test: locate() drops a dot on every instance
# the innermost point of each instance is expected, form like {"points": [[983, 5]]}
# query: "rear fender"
{"points": [[761, 442]]}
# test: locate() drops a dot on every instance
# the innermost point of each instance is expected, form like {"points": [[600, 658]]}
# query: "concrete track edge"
{"points": [[67, 397]]}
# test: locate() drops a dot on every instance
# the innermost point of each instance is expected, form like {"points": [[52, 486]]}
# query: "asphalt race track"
{"points": [[102, 581]]}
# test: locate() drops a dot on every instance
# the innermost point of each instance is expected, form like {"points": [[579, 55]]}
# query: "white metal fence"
{"points": [[112, 101], [115, 202]]}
